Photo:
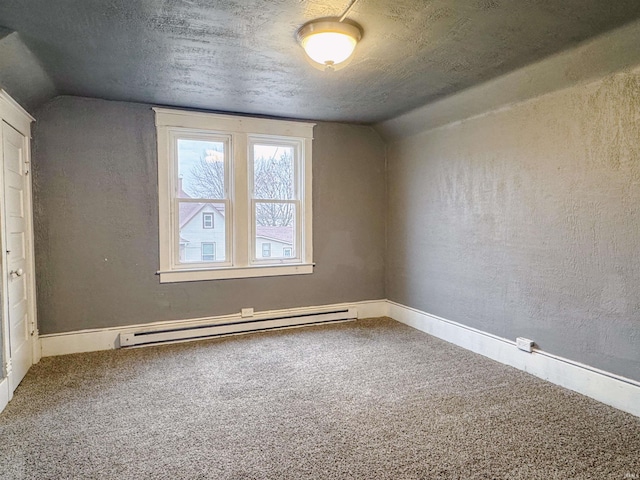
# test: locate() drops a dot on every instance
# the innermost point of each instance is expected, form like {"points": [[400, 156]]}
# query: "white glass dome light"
{"points": [[329, 43]]}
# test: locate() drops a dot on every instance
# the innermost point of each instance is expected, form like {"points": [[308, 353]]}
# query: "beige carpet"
{"points": [[363, 400]]}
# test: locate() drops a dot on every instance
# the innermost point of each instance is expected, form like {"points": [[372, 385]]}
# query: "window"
{"points": [[234, 192], [208, 252], [207, 220]]}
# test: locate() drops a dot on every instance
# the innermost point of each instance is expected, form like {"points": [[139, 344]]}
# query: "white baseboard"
{"points": [[371, 309], [614, 390], [36, 351], [5, 393], [107, 338]]}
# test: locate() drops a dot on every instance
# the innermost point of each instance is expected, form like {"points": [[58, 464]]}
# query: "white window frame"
{"points": [[239, 218]]}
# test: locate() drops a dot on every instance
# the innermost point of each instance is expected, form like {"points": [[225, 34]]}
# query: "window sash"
{"points": [[296, 246], [297, 145], [175, 220], [175, 135]]}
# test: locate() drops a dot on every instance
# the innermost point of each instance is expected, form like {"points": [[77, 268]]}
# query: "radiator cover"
{"points": [[256, 323]]}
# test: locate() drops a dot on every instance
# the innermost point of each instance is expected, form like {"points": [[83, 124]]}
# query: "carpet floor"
{"points": [[371, 399]]}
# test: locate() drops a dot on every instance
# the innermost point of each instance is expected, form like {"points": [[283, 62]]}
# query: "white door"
{"points": [[14, 146]]}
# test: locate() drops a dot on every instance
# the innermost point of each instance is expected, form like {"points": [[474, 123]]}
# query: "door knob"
{"points": [[16, 273]]}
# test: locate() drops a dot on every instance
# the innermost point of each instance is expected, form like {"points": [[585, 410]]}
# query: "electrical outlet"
{"points": [[524, 344], [246, 312]]}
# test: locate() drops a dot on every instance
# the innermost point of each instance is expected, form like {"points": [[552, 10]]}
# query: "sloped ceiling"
{"points": [[241, 56], [21, 72]]}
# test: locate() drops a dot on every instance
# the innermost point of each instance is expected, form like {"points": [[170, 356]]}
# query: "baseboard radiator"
{"points": [[232, 326]]}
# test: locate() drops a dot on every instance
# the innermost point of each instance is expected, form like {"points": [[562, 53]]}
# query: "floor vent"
{"points": [[257, 323]]}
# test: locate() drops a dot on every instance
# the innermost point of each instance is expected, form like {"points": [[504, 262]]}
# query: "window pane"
{"points": [[197, 242], [273, 172], [208, 252], [201, 169], [275, 230]]}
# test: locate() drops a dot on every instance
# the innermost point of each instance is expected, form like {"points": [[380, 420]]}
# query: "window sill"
{"points": [[223, 273]]}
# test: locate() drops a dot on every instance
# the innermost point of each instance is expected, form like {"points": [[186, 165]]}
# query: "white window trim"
{"points": [[239, 242]]}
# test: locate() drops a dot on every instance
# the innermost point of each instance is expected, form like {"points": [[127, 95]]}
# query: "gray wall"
{"points": [[96, 223], [525, 221], [21, 73]]}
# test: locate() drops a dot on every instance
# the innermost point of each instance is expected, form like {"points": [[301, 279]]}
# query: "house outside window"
{"points": [[228, 186]]}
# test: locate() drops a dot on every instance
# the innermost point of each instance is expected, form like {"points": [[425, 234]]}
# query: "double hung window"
{"points": [[234, 196]]}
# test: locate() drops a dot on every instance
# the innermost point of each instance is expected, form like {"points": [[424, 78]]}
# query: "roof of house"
{"points": [[279, 234], [188, 210]]}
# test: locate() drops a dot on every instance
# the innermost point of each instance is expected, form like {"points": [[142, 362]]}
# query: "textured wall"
{"points": [[96, 223], [526, 222]]}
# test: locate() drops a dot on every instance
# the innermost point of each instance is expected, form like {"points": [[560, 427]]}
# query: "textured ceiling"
{"points": [[241, 56]]}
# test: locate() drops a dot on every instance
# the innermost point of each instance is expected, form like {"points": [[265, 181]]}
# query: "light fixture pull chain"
{"points": [[346, 12]]}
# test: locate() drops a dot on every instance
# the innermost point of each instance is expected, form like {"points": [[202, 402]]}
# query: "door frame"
{"points": [[18, 118]]}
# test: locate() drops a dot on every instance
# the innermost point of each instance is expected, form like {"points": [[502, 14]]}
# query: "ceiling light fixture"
{"points": [[330, 42]]}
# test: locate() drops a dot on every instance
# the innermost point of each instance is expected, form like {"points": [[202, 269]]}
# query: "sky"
{"points": [[189, 153]]}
